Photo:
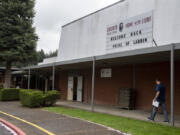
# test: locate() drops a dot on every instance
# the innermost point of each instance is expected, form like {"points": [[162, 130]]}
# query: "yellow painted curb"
{"points": [[29, 123]]}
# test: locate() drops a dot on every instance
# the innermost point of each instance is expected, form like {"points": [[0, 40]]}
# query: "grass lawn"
{"points": [[126, 125]]}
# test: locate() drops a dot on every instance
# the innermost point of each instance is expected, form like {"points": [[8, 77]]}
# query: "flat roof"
{"points": [[93, 13], [143, 51], [13, 68]]}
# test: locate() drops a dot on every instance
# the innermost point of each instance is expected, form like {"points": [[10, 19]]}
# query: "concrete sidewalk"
{"points": [[135, 114], [55, 123]]}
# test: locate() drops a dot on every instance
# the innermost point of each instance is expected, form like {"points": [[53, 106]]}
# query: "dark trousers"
{"points": [[155, 110]]}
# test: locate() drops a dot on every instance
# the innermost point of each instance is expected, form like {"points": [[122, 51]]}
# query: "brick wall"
{"points": [[63, 84], [145, 75], [106, 89]]}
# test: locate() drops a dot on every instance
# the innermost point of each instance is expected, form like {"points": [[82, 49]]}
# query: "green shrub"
{"points": [[9, 94], [51, 97], [31, 98], [1, 86], [36, 98]]}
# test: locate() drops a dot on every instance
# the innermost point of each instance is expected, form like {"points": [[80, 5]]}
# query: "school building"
{"points": [[126, 45]]}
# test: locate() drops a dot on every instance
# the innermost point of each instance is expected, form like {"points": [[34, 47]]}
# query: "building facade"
{"points": [[130, 44], [87, 37]]}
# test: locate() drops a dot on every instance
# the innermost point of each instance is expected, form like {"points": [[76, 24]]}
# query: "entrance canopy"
{"points": [[152, 54]]}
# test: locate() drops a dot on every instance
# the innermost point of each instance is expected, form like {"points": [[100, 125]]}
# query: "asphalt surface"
{"points": [[55, 123], [3, 131]]}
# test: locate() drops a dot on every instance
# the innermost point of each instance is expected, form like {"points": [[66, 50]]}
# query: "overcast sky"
{"points": [[52, 14]]}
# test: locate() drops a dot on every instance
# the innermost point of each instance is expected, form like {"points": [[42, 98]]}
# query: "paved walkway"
{"points": [[54, 123], [135, 114]]}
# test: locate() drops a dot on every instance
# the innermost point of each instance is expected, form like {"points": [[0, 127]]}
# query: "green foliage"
{"points": [[41, 55], [9, 94], [51, 54], [1, 86], [36, 98], [18, 39], [31, 98], [51, 97], [17, 34]]}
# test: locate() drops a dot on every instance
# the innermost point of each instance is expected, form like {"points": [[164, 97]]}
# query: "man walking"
{"points": [[160, 98]]}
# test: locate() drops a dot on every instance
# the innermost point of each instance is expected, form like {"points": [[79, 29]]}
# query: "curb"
{"points": [[14, 128]]}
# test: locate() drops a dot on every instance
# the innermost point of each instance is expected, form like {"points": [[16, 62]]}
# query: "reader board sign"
{"points": [[133, 33]]}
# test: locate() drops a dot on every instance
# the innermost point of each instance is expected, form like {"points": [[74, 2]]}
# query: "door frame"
{"points": [[82, 89], [70, 88]]}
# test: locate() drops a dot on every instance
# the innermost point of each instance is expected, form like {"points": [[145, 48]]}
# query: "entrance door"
{"points": [[70, 88], [79, 88]]}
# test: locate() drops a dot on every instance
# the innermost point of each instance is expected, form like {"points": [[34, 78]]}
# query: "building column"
{"points": [[22, 77], [172, 85], [29, 78], [93, 82], [53, 76], [36, 80], [134, 76], [46, 84]]}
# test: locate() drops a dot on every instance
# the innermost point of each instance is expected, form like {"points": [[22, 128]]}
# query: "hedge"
{"points": [[10, 94], [1, 86], [36, 98], [51, 97], [31, 98]]}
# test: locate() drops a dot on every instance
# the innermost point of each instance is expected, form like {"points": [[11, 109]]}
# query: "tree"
{"points": [[51, 54], [17, 34], [41, 56]]}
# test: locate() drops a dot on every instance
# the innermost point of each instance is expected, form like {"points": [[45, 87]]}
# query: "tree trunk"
{"points": [[8, 75]]}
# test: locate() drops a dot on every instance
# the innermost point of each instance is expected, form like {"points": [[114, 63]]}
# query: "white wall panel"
{"points": [[87, 36]]}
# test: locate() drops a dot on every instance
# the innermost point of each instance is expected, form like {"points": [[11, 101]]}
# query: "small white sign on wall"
{"points": [[106, 72]]}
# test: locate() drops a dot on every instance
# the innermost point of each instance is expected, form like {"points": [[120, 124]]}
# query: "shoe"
{"points": [[166, 121], [149, 118]]}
